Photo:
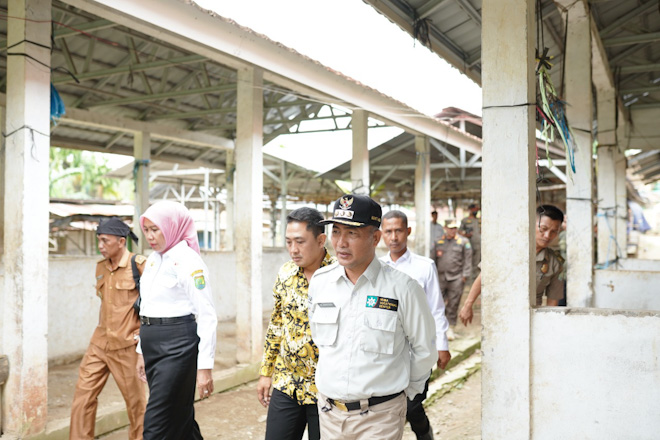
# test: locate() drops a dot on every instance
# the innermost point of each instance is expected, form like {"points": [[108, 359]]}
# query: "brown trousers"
{"points": [[380, 422], [96, 366]]}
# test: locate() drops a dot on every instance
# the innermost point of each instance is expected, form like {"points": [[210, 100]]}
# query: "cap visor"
{"points": [[343, 222]]}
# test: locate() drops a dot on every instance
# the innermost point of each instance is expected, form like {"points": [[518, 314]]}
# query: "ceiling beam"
{"points": [[429, 8], [470, 11], [87, 118], [131, 68], [625, 70], [164, 95], [647, 89], [632, 39], [624, 19]]}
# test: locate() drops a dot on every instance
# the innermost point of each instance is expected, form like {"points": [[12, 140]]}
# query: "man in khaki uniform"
{"points": [[112, 347], [453, 257], [549, 263]]}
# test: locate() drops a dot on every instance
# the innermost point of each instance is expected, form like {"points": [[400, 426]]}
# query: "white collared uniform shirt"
{"points": [[375, 338], [177, 284], [423, 270]]}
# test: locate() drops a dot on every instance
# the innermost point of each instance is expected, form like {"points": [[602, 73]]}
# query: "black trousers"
{"points": [[416, 415], [287, 419], [170, 357]]}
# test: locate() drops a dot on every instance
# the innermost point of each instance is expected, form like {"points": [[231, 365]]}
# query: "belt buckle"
{"points": [[145, 320], [341, 406]]}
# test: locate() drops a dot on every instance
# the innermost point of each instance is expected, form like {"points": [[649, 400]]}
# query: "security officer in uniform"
{"points": [[471, 229], [112, 348], [373, 328], [453, 257], [549, 263]]}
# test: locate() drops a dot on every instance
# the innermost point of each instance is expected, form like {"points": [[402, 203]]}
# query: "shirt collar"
{"points": [[402, 259], [541, 255], [123, 261], [370, 273]]}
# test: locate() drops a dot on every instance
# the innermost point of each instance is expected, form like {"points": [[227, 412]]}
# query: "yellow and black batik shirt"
{"points": [[290, 356]]}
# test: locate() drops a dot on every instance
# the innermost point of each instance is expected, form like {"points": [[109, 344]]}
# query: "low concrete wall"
{"points": [[595, 374], [638, 264], [73, 307], [627, 289]]}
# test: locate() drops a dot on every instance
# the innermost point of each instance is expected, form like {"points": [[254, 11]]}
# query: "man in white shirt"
{"points": [[374, 330], [395, 233]]}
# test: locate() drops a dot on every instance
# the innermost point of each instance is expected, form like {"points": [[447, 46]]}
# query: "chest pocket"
{"points": [[325, 323], [379, 330], [168, 280]]}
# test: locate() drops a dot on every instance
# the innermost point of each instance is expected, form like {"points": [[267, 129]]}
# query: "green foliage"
{"points": [[77, 174]]}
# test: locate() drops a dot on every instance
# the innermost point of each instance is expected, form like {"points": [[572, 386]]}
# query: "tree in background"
{"points": [[78, 174]]}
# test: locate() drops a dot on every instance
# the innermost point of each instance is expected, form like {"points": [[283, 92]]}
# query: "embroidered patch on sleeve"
{"points": [[378, 302], [196, 272], [200, 282]]}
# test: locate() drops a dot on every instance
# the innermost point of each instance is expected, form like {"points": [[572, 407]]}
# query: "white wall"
{"points": [[638, 264], [627, 289], [73, 307], [595, 374]]}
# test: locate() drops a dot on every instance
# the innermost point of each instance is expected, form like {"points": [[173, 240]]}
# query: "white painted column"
{"points": [[249, 214], [230, 175], [606, 178], [283, 193], [621, 202], [508, 204], [142, 156], [25, 290], [422, 195], [360, 159], [579, 190], [3, 113], [206, 209]]}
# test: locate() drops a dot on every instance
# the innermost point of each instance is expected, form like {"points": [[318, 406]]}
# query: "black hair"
{"points": [[310, 216], [550, 211], [397, 214]]}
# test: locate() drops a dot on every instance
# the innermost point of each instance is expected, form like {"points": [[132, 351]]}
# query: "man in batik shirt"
{"points": [[289, 361]]}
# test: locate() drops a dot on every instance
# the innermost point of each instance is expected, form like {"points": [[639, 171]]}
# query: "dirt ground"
{"points": [[236, 415]]}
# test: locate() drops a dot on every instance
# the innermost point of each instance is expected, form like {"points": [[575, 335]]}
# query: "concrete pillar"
{"points": [[230, 175], [507, 205], [422, 195], [25, 290], [249, 214], [606, 178], [606, 181], [3, 113], [579, 189], [360, 159], [283, 193], [142, 155], [621, 202]]}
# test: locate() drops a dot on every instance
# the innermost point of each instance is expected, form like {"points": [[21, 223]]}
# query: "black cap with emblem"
{"points": [[356, 210], [114, 226]]}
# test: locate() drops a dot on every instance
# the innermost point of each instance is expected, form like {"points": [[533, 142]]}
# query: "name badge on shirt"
{"points": [[326, 304], [378, 302]]}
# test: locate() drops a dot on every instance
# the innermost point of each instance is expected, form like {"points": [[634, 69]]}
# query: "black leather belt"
{"points": [[352, 406], [145, 320]]}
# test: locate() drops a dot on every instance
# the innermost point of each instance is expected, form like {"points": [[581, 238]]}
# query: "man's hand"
{"points": [[466, 314], [139, 366], [443, 359], [263, 390], [464, 279], [205, 383]]}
